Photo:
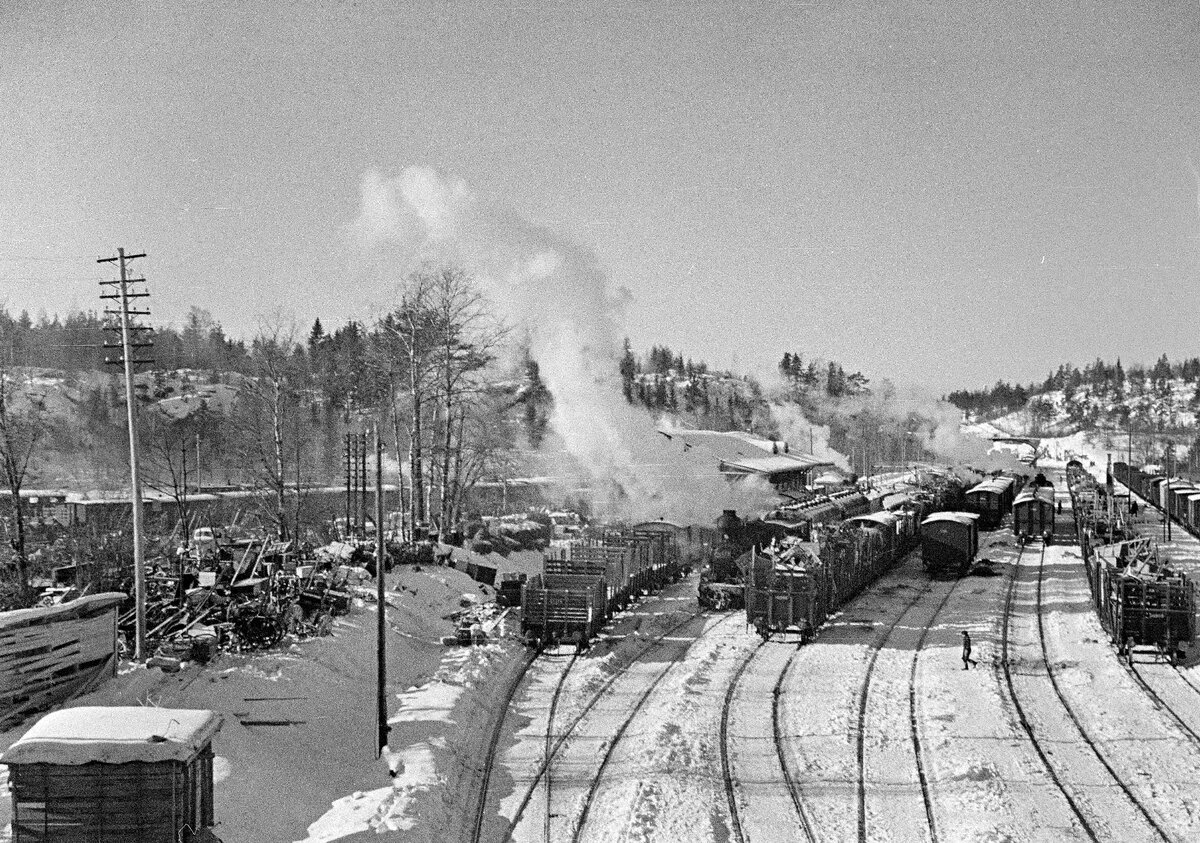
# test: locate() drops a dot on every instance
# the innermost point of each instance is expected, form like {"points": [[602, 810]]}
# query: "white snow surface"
{"points": [[394, 808]]}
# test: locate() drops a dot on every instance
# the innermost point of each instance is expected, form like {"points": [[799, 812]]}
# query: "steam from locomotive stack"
{"points": [[555, 291]]}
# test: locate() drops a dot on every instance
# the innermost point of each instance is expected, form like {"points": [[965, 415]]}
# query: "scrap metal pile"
{"points": [[248, 597]]}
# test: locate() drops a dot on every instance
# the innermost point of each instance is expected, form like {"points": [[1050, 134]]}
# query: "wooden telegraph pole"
{"points": [[381, 739], [129, 342]]}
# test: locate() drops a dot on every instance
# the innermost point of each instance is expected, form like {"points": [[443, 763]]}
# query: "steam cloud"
{"points": [[557, 291]]}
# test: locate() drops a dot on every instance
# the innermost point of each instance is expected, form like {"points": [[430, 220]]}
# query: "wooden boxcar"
{"points": [[563, 606], [991, 499], [114, 775], [949, 541], [1033, 512]]}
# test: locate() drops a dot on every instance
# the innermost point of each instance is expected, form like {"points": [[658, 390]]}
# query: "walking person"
{"points": [[966, 655]]}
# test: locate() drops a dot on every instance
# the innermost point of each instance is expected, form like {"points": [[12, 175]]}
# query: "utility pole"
{"points": [[128, 343], [381, 701], [362, 486]]}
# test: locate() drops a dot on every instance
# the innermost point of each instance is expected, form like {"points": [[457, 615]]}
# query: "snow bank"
{"points": [[383, 809]]}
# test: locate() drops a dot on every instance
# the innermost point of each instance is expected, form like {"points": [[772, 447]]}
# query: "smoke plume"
{"points": [[557, 291]]}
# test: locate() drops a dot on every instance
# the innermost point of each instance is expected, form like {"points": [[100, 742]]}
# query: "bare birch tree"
{"points": [[269, 417], [434, 348]]}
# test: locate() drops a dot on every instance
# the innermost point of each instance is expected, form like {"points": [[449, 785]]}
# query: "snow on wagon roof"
{"points": [[992, 484], [885, 519], [956, 517], [115, 735], [1042, 493]]}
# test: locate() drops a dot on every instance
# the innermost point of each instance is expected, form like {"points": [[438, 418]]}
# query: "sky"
{"points": [[936, 193]]}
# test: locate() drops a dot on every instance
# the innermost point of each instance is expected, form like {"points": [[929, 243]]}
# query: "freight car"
{"points": [[1033, 512], [795, 585], [949, 542], [991, 499], [562, 607], [1140, 600], [619, 565]]}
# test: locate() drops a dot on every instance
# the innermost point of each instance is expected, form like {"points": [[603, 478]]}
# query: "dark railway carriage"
{"points": [[949, 541], [1033, 512], [991, 499]]}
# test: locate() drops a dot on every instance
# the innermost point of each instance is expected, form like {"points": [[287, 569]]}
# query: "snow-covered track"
{"points": [[549, 757], [792, 786], [863, 697], [726, 766], [1162, 703], [493, 742], [922, 774], [1022, 717], [615, 740], [1087, 739], [562, 737]]}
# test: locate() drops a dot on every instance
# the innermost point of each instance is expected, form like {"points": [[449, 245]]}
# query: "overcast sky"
{"points": [[930, 192]]}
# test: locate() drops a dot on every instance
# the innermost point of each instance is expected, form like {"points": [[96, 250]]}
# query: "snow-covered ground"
{"points": [[879, 724]]}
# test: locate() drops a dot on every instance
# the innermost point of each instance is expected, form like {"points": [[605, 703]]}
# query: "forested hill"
{"points": [[1101, 396]]}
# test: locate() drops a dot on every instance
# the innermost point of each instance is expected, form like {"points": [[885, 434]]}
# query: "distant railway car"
{"points": [[1033, 512], [949, 542], [991, 499]]}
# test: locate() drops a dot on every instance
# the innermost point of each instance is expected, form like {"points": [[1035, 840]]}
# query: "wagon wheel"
{"points": [[257, 632]]}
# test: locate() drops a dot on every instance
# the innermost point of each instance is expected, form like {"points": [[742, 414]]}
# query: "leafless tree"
{"points": [[23, 425], [174, 439], [270, 418], [432, 349]]}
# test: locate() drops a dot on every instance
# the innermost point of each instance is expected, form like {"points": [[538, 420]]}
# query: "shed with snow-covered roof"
{"points": [[114, 774]]}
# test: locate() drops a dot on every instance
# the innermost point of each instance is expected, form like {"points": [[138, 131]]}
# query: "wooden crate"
{"points": [[114, 775]]}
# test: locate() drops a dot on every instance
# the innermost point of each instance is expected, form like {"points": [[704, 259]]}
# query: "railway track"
{"points": [[727, 772], [863, 694], [493, 742], [792, 786], [1162, 704], [922, 775], [549, 753], [615, 740], [557, 742], [1022, 718], [727, 768], [1087, 739]]}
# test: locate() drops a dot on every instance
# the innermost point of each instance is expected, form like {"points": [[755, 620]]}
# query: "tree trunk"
{"points": [[280, 477], [414, 460]]}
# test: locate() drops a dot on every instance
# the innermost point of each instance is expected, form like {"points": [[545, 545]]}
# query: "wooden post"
{"points": [[381, 598]]}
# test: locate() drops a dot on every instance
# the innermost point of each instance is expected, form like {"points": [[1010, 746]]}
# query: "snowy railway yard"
{"points": [[683, 725]]}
